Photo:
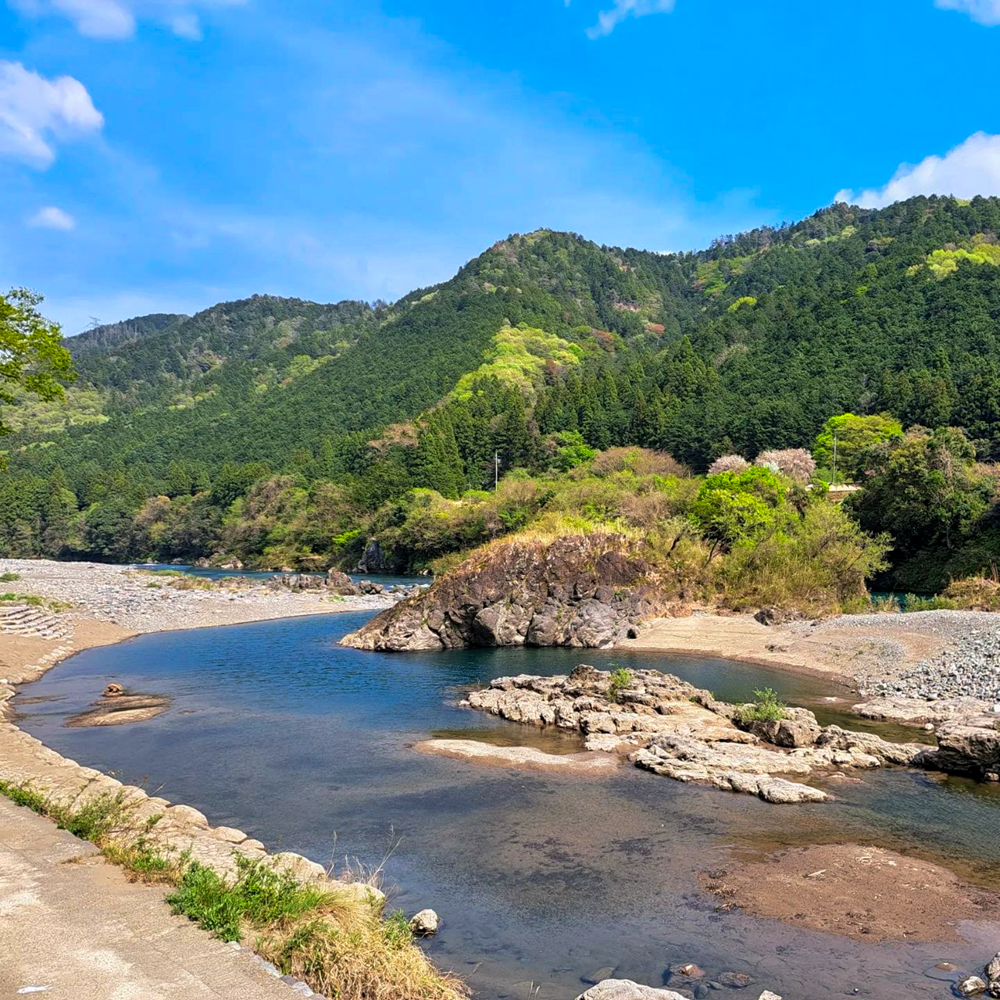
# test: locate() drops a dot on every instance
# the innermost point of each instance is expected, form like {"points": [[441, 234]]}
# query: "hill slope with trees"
{"points": [[254, 415]]}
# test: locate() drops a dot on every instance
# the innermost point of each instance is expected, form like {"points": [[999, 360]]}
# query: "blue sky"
{"points": [[163, 155]]}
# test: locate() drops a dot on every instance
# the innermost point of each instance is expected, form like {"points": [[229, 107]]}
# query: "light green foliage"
{"points": [[709, 278], [854, 436], [32, 356], [620, 680], [943, 262], [9, 577], [744, 300], [517, 356], [572, 450], [733, 507], [766, 707]]}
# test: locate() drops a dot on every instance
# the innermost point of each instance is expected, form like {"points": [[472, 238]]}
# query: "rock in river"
{"points": [[425, 923], [578, 590], [625, 989]]}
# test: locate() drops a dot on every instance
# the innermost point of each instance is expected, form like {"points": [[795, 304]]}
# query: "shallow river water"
{"points": [[539, 879]]}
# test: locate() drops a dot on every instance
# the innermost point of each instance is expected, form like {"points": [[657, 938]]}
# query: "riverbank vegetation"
{"points": [[340, 944]]}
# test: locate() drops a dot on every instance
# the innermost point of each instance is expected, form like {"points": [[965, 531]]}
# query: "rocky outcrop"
{"points": [[579, 590], [374, 559], [919, 711], [669, 727], [969, 746]]}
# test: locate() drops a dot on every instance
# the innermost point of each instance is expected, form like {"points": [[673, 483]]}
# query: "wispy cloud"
{"points": [[36, 111], [982, 11], [52, 217], [971, 168], [608, 20], [115, 19]]}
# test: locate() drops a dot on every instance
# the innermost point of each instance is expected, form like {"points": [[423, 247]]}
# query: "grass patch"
{"points": [[9, 577], [912, 603], [11, 598], [340, 945], [109, 822], [766, 707]]}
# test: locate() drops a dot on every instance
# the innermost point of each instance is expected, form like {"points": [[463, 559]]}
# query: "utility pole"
{"points": [[835, 458], [496, 470]]}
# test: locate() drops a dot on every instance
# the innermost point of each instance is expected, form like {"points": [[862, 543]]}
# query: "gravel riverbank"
{"points": [[925, 654], [139, 601]]}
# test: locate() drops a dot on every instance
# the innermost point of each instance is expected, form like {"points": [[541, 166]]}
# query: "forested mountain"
{"points": [[543, 344], [106, 336]]}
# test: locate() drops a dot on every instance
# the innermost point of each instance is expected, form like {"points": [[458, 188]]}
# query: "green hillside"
{"points": [[543, 344]]}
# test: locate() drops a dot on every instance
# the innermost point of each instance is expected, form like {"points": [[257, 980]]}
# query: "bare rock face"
{"points": [[917, 711], [799, 728], [335, 578], [585, 591], [668, 727]]}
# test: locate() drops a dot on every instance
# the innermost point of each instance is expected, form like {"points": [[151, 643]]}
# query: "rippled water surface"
{"points": [[539, 878]]}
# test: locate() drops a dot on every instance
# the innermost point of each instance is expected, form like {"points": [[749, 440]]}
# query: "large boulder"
{"points": [[625, 989], [799, 728], [374, 559], [336, 578]]}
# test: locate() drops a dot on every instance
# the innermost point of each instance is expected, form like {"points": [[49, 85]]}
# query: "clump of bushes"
{"points": [[9, 577], [974, 593]]}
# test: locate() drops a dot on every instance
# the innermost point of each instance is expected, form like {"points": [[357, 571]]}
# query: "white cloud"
{"points": [[36, 110], [109, 19], [971, 168], [607, 20], [982, 11], [52, 217]]}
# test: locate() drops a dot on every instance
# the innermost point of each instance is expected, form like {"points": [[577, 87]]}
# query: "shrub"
{"points": [[9, 577], [620, 680], [338, 944], [766, 707], [640, 461], [796, 463], [975, 593], [911, 602], [728, 463]]}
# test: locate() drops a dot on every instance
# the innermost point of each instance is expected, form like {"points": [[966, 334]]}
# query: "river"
{"points": [[539, 879]]}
